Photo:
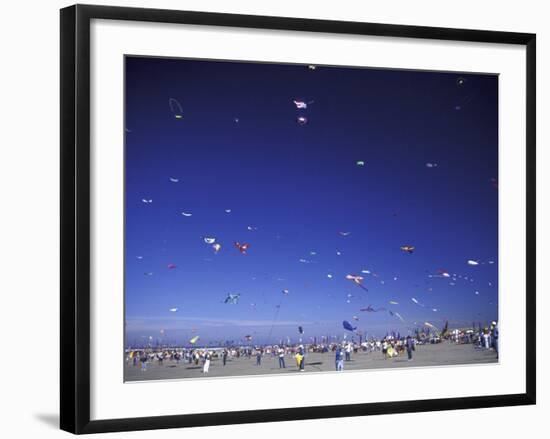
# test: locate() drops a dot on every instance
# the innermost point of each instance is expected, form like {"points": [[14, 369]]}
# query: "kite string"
{"points": [[275, 319]]}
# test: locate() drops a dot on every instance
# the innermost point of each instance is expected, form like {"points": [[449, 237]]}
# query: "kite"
{"points": [[355, 318], [227, 210], [147, 200], [408, 249], [285, 292], [217, 247], [232, 299], [360, 163], [171, 266], [194, 339], [429, 325], [311, 67], [371, 309], [173, 310], [209, 240], [174, 180], [329, 276], [391, 302], [472, 262], [149, 273], [399, 316], [248, 337], [300, 104], [241, 247], [251, 228], [357, 280], [175, 108], [431, 165], [347, 325], [460, 81], [186, 214], [344, 233], [300, 330], [415, 301], [365, 271], [301, 120], [139, 257]]}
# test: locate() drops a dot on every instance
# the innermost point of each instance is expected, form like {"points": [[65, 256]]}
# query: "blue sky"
{"points": [[238, 146]]}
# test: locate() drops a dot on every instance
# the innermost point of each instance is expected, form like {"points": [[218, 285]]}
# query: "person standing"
{"points": [[224, 356], [486, 338], [409, 344], [494, 336], [206, 366], [281, 353], [339, 360], [258, 357], [143, 360], [348, 351], [385, 349]]}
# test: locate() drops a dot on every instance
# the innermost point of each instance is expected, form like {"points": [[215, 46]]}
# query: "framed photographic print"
{"points": [[259, 213]]}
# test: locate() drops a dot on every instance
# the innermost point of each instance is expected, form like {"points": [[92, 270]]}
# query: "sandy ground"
{"points": [[429, 355]]}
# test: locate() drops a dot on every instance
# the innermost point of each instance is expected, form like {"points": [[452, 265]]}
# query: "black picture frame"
{"points": [[75, 217]]}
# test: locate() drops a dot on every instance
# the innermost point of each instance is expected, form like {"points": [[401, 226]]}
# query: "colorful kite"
{"points": [[194, 339], [357, 280], [241, 247]]}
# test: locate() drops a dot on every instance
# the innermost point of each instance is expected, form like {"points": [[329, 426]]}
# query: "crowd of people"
{"points": [[393, 345]]}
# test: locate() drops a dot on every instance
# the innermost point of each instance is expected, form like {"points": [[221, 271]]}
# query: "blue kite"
{"points": [[347, 325]]}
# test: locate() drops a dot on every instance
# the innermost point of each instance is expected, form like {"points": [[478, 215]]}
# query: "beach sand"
{"points": [[443, 354]]}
